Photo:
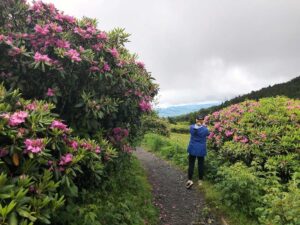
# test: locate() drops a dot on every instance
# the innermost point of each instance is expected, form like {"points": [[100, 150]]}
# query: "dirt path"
{"points": [[178, 206]]}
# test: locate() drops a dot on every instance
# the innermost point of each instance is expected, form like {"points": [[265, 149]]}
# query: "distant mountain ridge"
{"points": [[289, 89], [172, 111]]}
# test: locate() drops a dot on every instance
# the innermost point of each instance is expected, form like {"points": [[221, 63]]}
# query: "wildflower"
{"points": [[38, 57], [50, 92], [62, 44], [73, 55], [34, 145], [17, 118], [66, 159]]}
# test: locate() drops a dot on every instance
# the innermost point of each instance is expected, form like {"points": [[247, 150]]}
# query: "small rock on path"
{"points": [[178, 206]]}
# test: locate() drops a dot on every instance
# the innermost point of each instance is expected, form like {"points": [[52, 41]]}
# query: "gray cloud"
{"points": [[205, 50]]}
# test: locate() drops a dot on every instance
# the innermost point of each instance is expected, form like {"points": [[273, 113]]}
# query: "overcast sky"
{"points": [[204, 50]]}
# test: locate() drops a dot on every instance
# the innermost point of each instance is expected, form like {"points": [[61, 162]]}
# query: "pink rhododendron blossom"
{"points": [[86, 146], [145, 106], [81, 49], [106, 67], [50, 92], [58, 125], [17, 118], [73, 144], [55, 27], [211, 135], [102, 35], [34, 145], [32, 106], [97, 47], [94, 69], [62, 44], [66, 159], [140, 64], [114, 52], [244, 140], [228, 133], [66, 18], [38, 57], [97, 150], [217, 125], [37, 7], [73, 55], [42, 30]]}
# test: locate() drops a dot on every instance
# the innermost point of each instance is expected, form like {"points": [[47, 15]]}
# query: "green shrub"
{"points": [[281, 207], [240, 188], [153, 124]]}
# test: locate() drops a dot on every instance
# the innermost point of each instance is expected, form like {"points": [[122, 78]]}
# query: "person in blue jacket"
{"points": [[197, 149]]}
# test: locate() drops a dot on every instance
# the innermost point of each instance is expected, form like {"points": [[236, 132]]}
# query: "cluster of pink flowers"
{"points": [[114, 52], [42, 30], [34, 145], [145, 106], [102, 35], [50, 92], [119, 134], [17, 118], [31, 106], [141, 65], [90, 147], [73, 55], [87, 33], [59, 125], [106, 67], [66, 159], [38, 57], [62, 44]]}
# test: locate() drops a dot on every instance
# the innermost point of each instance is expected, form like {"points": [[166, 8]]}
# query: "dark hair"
{"points": [[200, 117]]}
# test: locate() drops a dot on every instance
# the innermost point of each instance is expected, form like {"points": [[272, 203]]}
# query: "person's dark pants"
{"points": [[192, 160]]}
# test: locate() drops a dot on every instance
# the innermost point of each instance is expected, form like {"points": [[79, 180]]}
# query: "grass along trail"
{"points": [[178, 206]]}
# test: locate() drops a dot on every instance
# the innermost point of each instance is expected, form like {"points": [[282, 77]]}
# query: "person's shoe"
{"points": [[200, 183], [189, 184]]}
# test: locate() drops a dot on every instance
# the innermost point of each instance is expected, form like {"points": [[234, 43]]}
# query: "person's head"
{"points": [[199, 119]]}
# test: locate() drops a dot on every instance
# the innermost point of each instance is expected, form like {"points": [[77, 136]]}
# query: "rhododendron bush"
{"points": [[95, 82], [41, 162], [257, 146]]}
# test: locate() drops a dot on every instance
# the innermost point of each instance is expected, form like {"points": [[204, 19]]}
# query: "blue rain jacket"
{"points": [[197, 145]]}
